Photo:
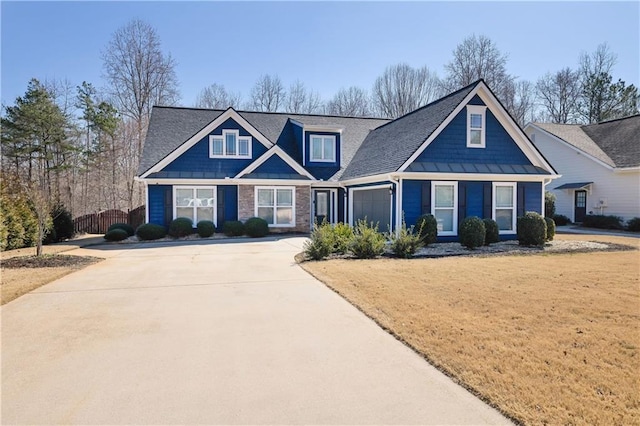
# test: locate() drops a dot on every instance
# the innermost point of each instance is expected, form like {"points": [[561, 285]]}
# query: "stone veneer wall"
{"points": [[246, 207]]}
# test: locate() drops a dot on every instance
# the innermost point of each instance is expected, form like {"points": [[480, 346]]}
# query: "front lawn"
{"points": [[547, 339]]}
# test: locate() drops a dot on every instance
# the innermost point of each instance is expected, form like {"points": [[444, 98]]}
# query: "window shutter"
{"points": [[486, 199], [462, 201], [220, 206], [520, 200], [168, 205], [426, 197]]}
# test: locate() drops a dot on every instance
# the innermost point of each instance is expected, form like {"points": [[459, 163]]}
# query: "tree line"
{"points": [[80, 145]]}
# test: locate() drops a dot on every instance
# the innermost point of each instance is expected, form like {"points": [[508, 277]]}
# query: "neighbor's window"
{"points": [[444, 206], [229, 144], [504, 206], [476, 126], [323, 148], [195, 202], [276, 205]]}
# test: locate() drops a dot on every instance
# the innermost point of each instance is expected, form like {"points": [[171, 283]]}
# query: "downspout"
{"points": [[398, 207]]}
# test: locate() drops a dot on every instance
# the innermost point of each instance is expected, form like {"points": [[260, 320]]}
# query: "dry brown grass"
{"points": [[547, 339], [16, 282]]}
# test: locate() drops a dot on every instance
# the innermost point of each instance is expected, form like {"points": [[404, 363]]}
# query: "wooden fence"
{"points": [[98, 223]]}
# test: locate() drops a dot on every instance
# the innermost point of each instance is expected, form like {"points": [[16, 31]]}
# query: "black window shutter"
{"points": [[486, 199], [168, 205], [426, 197], [220, 207], [462, 201], [520, 209]]}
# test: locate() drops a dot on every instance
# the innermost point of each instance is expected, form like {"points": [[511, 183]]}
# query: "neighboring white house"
{"points": [[599, 164]]}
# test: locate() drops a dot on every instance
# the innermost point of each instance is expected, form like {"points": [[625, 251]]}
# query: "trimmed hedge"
{"points": [[472, 232], [633, 225], [233, 228], [602, 222], [561, 220], [367, 242], [116, 234], [551, 228], [492, 234], [124, 226], [180, 227], [532, 229], [427, 228], [205, 228], [151, 231], [256, 227]]}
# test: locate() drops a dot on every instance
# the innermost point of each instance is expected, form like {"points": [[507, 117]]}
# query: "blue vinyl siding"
{"points": [[476, 100], [156, 204], [341, 200], [299, 140], [475, 199], [450, 146], [412, 200], [196, 158], [532, 199], [275, 164]]}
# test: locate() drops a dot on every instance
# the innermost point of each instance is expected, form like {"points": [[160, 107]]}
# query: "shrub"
{"points": [[472, 232], [633, 225], [151, 231], [124, 226], [320, 243], [532, 229], [602, 222], [492, 234], [256, 227], [63, 223], [551, 228], [180, 227], [342, 237], [116, 234], [367, 242], [427, 228], [406, 242], [233, 228], [19, 222], [549, 204], [206, 228], [29, 221], [561, 220]]}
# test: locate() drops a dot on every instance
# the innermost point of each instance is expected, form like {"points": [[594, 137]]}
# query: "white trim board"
{"points": [[229, 113]]}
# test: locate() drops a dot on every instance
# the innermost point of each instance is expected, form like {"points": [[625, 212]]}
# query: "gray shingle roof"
{"points": [[616, 142], [170, 127], [389, 146]]}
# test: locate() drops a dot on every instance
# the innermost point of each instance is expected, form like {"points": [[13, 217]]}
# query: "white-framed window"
{"points": [[444, 206], [276, 205], [229, 144], [504, 206], [323, 148], [195, 202], [476, 125]]}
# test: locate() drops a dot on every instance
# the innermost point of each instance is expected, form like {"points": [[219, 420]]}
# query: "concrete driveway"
{"points": [[213, 333]]}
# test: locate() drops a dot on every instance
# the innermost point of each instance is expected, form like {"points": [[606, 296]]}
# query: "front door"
{"points": [[322, 206], [580, 205]]}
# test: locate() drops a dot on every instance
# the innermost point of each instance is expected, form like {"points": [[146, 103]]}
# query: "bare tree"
{"points": [[268, 94], [598, 62], [475, 58], [216, 96], [402, 89], [353, 102], [302, 101], [140, 76], [519, 100], [559, 94]]}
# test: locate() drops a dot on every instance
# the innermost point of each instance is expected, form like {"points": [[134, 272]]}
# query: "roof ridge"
{"points": [[612, 120], [289, 114]]}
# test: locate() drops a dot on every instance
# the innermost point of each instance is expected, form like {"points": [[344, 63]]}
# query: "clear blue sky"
{"points": [[327, 45]]}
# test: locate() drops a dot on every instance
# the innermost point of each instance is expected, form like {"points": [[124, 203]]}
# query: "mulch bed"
{"points": [[49, 261]]}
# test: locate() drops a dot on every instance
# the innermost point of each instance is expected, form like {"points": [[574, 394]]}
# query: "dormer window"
{"points": [[229, 145], [323, 148], [476, 125]]}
